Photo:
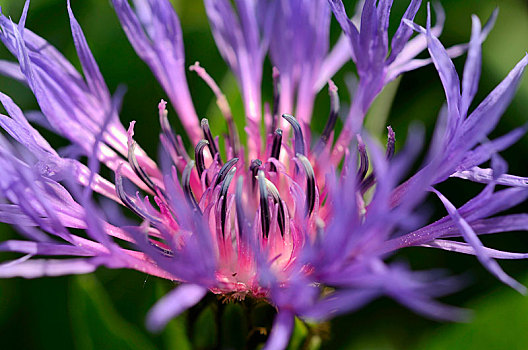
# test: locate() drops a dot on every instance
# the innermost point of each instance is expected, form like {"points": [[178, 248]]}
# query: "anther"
{"points": [[276, 147], [297, 131], [199, 159], [254, 168], [274, 192], [223, 195], [264, 206], [240, 206], [391, 140], [224, 171], [129, 202], [132, 160], [363, 159], [332, 118], [186, 185], [169, 134], [213, 148], [310, 183]]}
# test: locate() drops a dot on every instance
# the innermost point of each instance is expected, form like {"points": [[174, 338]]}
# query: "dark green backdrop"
{"points": [[106, 310]]}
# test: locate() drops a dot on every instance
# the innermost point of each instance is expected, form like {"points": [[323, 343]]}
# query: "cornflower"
{"points": [[302, 221]]}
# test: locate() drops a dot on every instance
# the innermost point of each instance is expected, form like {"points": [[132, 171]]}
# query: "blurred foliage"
{"points": [[107, 309]]}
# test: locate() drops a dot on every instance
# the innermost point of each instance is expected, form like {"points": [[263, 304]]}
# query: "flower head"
{"points": [[284, 217]]}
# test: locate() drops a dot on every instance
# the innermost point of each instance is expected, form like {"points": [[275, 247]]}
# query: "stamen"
{"points": [[297, 131], [264, 206], [389, 153], [391, 140], [274, 192], [169, 134], [310, 183], [213, 148], [224, 171], [240, 206], [199, 159], [130, 203], [223, 194], [254, 168], [276, 98], [186, 185], [132, 160], [332, 118], [276, 147], [363, 159]]}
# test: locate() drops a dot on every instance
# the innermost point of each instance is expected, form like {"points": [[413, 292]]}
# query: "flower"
{"points": [[291, 222]]}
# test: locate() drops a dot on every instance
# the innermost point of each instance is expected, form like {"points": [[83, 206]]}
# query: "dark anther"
{"points": [[129, 202], [167, 131], [276, 147], [254, 168], [389, 153], [310, 183], [281, 217], [223, 195], [276, 98], [199, 159], [224, 171], [240, 206], [186, 185], [332, 118], [137, 169], [391, 140], [264, 206], [297, 131], [213, 148], [363, 160]]}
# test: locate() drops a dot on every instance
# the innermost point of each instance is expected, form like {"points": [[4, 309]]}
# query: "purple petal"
{"points": [[472, 239], [171, 305], [464, 248], [472, 67], [40, 268], [95, 80], [281, 331]]}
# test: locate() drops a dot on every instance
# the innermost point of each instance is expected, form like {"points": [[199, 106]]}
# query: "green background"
{"points": [[106, 310]]}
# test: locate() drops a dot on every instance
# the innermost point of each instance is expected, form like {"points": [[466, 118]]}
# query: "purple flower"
{"points": [[291, 222]]}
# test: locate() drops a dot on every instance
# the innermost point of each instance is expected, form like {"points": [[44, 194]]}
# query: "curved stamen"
{"points": [[276, 98], [264, 205], [130, 203], [363, 159], [332, 118], [389, 153], [132, 160], [223, 195], [310, 183], [186, 185], [199, 159], [213, 148], [169, 134], [241, 216], [276, 147], [274, 192], [297, 131], [254, 168], [224, 171], [391, 140]]}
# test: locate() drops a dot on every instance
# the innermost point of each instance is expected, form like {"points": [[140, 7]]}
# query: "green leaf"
{"points": [[95, 322]]}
